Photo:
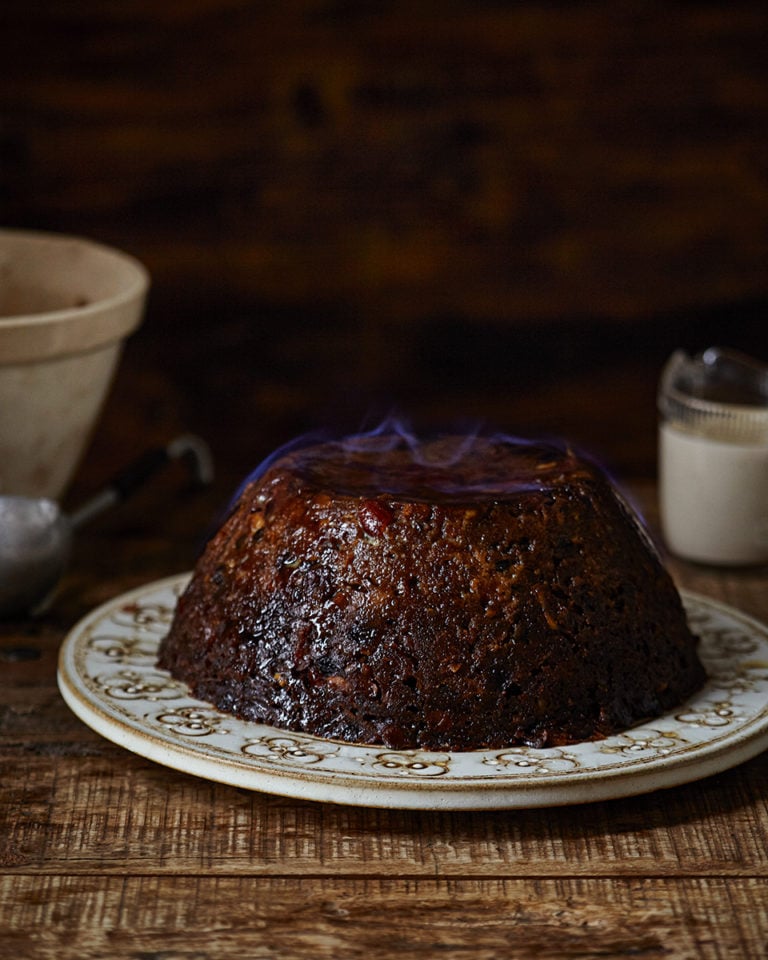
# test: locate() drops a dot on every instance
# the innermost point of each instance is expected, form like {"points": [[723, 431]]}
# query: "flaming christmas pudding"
{"points": [[452, 594]]}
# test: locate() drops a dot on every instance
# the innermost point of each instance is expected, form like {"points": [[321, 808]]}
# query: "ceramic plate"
{"points": [[108, 676]]}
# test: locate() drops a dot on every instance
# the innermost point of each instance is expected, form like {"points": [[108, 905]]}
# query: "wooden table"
{"points": [[105, 854]]}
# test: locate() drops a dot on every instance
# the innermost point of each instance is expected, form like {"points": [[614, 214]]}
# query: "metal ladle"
{"points": [[36, 536]]}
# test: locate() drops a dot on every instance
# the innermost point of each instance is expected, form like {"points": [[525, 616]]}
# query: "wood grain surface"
{"points": [[399, 160], [165, 918]]}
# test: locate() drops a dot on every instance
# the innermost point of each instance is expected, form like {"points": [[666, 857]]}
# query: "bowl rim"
{"points": [[34, 336]]}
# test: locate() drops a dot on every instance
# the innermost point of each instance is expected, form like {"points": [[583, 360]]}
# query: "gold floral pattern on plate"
{"points": [[109, 678]]}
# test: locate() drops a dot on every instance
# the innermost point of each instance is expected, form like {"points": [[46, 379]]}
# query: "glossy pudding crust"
{"points": [[466, 598]]}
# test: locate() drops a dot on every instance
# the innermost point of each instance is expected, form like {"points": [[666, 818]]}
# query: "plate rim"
{"points": [[557, 789]]}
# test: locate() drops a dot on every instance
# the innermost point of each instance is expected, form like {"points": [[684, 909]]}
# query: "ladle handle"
{"points": [[124, 483]]}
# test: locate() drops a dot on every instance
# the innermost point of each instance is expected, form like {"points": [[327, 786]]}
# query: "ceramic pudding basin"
{"points": [[66, 306]]}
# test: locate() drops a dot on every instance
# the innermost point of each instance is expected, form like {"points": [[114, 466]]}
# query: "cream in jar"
{"points": [[713, 458]]}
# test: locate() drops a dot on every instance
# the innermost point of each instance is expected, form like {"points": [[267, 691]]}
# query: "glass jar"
{"points": [[713, 457]]}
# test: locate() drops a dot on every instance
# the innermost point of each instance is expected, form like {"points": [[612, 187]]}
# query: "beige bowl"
{"points": [[66, 306]]}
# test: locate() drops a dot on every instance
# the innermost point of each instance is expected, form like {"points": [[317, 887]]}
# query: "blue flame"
{"points": [[434, 454]]}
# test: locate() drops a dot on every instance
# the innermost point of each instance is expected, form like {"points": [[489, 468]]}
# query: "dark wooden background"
{"points": [[459, 209]]}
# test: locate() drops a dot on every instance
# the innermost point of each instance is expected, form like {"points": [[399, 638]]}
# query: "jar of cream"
{"points": [[713, 457]]}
